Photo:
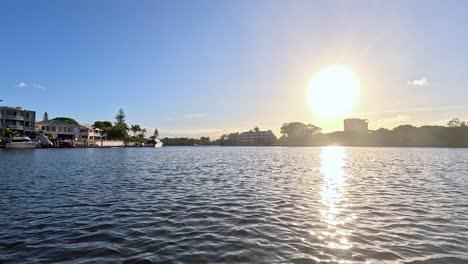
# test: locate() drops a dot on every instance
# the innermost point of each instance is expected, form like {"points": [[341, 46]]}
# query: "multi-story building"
{"points": [[253, 138], [57, 128], [356, 125], [18, 119], [90, 133]]}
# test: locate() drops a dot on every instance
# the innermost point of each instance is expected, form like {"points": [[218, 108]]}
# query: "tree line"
{"points": [[119, 130], [185, 141], [455, 134]]}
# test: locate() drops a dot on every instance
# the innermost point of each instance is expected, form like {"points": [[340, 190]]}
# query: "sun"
{"points": [[333, 91]]}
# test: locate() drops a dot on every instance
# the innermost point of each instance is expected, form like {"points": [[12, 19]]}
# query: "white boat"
{"points": [[154, 143], [157, 143], [21, 143]]}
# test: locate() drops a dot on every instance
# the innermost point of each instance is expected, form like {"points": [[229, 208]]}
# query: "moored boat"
{"points": [[21, 143], [157, 143], [154, 143]]}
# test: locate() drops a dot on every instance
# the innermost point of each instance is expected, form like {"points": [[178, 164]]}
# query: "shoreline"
{"points": [[247, 146]]}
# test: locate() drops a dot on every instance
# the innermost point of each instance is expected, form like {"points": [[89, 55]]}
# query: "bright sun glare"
{"points": [[333, 91]]}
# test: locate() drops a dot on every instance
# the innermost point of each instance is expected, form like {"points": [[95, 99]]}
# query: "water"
{"points": [[250, 205]]}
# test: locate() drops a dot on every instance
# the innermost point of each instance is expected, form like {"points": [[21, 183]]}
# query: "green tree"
{"points": [[135, 129], [67, 120], [11, 133], [107, 124], [120, 129], [120, 119], [99, 125], [297, 133], [45, 117], [143, 132], [456, 122], [204, 141], [140, 140], [155, 133]]}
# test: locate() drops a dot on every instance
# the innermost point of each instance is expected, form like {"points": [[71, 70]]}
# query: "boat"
{"points": [[154, 143], [22, 142], [157, 143]]}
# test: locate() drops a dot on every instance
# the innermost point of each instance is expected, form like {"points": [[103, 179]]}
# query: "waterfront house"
{"points": [[58, 128], [18, 119], [90, 133]]}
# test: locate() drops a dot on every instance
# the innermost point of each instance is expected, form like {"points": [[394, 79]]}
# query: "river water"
{"points": [[234, 205]]}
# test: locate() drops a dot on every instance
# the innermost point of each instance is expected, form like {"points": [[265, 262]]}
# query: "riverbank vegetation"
{"points": [[185, 141], [119, 129], [454, 134]]}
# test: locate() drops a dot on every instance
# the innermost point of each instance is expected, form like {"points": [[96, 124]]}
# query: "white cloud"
{"points": [[22, 85], [195, 115], [419, 82], [34, 85]]}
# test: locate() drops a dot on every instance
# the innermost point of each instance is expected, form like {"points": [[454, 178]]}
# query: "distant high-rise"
{"points": [[356, 125]]}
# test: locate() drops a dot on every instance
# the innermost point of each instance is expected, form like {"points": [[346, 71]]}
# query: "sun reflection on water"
{"points": [[333, 198]]}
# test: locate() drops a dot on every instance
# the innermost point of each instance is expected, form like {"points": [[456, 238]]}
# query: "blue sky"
{"points": [[196, 68]]}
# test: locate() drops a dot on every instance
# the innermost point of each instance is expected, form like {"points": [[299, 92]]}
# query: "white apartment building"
{"points": [[253, 138], [17, 118]]}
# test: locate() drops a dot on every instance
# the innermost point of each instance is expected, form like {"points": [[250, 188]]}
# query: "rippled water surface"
{"points": [[234, 205]]}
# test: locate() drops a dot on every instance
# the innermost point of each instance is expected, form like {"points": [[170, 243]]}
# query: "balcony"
{"points": [[14, 117], [15, 127]]}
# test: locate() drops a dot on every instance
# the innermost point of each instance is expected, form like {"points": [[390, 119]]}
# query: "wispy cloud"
{"points": [[34, 85], [423, 109], [195, 115], [393, 120], [419, 82], [42, 87]]}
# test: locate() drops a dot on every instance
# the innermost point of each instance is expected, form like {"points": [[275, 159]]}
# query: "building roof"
{"points": [[90, 127], [15, 108], [55, 122], [356, 119]]}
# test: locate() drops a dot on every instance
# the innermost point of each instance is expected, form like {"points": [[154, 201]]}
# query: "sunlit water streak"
{"points": [[334, 198], [234, 205]]}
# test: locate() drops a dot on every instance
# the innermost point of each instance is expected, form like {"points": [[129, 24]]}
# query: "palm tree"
{"points": [[135, 129], [143, 131], [10, 133]]}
